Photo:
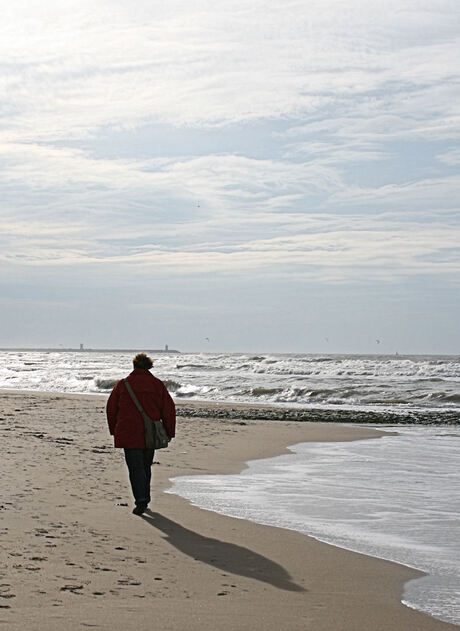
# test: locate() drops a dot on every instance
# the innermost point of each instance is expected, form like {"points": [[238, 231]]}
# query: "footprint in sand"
{"points": [[5, 592], [128, 581], [74, 589]]}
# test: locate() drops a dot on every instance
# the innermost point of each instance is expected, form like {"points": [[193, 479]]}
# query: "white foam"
{"points": [[346, 382], [394, 498]]}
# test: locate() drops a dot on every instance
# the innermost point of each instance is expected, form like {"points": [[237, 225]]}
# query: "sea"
{"points": [[395, 497], [362, 382]]}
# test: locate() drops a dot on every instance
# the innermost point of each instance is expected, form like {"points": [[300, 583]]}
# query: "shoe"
{"points": [[140, 508]]}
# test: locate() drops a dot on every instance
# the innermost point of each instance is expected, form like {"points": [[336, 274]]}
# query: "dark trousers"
{"points": [[139, 463]]}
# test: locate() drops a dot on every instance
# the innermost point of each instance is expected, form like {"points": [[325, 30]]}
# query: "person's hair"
{"points": [[142, 361]]}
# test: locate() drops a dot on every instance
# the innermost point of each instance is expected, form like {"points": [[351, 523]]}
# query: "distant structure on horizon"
{"points": [[82, 349], [166, 349]]}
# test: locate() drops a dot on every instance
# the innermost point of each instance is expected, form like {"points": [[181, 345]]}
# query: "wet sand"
{"points": [[72, 556]]}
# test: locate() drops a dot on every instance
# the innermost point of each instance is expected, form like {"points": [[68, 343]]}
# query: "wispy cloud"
{"points": [[418, 194], [451, 157], [348, 93], [72, 68]]}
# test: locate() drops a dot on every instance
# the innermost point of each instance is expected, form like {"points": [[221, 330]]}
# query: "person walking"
{"points": [[127, 426]]}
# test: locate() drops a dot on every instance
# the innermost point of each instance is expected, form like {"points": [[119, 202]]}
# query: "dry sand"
{"points": [[72, 556]]}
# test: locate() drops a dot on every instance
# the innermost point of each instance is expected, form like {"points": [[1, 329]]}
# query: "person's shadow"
{"points": [[223, 555]]}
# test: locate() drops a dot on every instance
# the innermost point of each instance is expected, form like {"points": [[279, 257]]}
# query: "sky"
{"points": [[233, 176]]}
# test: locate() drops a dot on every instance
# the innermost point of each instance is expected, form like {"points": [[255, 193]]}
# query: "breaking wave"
{"points": [[308, 381]]}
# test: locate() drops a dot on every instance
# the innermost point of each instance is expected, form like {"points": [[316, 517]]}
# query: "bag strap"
{"points": [[133, 397]]}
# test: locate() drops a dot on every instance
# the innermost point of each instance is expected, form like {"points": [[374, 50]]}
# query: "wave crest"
{"points": [[105, 384]]}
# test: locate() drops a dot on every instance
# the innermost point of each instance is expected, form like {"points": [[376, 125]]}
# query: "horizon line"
{"points": [[173, 351]]}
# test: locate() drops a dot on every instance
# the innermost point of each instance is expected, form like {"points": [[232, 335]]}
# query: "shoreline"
{"points": [[205, 566]]}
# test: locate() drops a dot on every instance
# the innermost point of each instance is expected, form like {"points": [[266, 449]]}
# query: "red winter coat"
{"points": [[125, 420]]}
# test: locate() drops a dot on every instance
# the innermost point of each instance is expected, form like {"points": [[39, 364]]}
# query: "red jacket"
{"points": [[125, 420]]}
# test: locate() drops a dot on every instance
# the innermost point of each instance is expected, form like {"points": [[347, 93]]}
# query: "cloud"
{"points": [[418, 194], [342, 89], [324, 248], [72, 68], [451, 157], [224, 182]]}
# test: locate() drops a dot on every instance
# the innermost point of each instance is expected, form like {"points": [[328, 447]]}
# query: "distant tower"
{"points": [[166, 348], [81, 347]]}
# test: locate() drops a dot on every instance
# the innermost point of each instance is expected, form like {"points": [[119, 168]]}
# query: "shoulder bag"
{"points": [[155, 433]]}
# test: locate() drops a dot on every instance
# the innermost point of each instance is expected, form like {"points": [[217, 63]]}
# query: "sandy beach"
{"points": [[72, 555]]}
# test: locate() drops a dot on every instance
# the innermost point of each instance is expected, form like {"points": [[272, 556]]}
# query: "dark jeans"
{"points": [[139, 463]]}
